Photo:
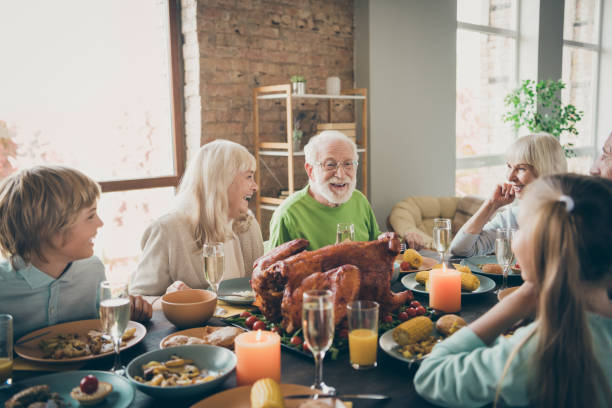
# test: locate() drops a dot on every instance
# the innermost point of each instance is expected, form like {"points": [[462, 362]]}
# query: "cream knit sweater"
{"points": [[169, 253]]}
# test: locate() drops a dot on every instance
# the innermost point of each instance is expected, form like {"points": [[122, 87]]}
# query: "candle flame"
{"points": [[258, 335]]}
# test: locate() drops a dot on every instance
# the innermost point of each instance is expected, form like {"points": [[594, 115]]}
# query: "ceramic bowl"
{"points": [[190, 307], [217, 360]]}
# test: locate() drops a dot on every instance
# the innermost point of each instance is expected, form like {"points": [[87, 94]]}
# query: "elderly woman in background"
{"points": [[211, 206], [530, 157]]}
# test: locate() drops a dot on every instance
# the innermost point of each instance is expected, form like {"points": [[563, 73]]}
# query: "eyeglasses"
{"points": [[330, 165]]}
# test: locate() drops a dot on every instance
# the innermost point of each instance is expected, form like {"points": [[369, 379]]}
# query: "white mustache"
{"points": [[336, 180]]}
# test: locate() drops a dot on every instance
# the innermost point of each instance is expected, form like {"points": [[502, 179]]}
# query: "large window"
{"points": [[97, 86], [486, 72], [581, 51]]}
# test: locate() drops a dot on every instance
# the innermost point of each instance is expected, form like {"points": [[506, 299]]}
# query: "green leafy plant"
{"points": [[298, 78], [538, 107]]}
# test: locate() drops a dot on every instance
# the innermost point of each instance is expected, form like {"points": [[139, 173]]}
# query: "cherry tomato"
{"points": [[305, 347], [250, 321], [420, 310], [387, 318], [245, 314], [296, 340], [411, 312], [403, 316], [259, 325], [405, 266], [415, 303], [89, 384]]}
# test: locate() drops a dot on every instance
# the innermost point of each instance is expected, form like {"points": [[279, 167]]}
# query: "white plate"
{"points": [[486, 285], [227, 287], [389, 346]]}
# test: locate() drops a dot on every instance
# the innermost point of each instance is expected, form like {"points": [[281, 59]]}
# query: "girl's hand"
{"points": [[502, 195], [177, 285], [141, 309]]}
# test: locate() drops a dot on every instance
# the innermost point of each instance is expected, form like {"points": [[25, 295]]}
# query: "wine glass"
{"points": [[503, 252], [214, 267], [345, 231], [442, 236], [114, 316], [318, 329]]}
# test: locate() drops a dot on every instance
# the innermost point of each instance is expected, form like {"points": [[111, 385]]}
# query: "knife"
{"points": [[379, 397]]}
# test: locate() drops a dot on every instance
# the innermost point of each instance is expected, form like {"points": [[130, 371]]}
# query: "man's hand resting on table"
{"points": [[414, 240]]}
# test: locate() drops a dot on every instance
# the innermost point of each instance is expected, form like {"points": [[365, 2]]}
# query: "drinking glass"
{"points": [[115, 316], [442, 236], [6, 351], [362, 316], [214, 267], [503, 252], [345, 231], [318, 329]]}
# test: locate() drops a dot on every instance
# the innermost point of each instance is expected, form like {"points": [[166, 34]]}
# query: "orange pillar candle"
{"points": [[445, 290], [258, 355]]}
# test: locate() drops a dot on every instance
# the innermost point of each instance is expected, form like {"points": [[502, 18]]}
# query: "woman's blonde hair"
{"points": [[38, 203], [202, 197], [542, 151], [570, 226]]}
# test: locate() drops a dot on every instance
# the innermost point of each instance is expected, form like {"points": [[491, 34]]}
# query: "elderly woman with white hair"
{"points": [[530, 157], [211, 206]]}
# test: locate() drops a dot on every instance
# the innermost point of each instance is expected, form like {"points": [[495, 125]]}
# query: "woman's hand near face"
{"points": [[502, 195], [141, 310]]}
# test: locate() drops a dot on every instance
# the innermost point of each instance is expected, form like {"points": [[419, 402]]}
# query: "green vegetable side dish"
{"points": [[295, 340]]}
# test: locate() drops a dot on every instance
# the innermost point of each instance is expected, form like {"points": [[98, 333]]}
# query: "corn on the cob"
{"points": [[413, 258], [469, 282], [413, 330], [462, 268], [266, 393]]}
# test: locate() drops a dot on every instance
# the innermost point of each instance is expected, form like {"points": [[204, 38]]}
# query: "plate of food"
{"points": [[413, 340], [471, 283], [106, 391], [74, 341], [240, 397], [411, 261], [236, 291], [212, 335], [487, 265]]}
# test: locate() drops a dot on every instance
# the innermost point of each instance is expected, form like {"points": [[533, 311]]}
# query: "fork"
{"points": [[402, 247]]}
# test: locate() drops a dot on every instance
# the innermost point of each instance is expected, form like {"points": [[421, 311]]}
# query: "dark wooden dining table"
{"points": [[391, 377]]}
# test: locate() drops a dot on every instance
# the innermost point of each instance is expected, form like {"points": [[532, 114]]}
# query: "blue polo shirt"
{"points": [[36, 300]]}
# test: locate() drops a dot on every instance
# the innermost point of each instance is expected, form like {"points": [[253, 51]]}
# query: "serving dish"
{"points": [[28, 345], [486, 285], [237, 286], [217, 360]]}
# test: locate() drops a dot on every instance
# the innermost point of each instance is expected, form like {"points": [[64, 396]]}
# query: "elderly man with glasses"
{"points": [[329, 198]]}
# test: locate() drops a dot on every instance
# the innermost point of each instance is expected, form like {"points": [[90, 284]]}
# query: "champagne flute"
{"points": [[345, 231], [214, 267], [503, 252], [318, 329], [442, 236], [114, 316]]}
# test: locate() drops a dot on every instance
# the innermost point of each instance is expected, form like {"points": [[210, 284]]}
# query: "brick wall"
{"points": [[244, 44]]}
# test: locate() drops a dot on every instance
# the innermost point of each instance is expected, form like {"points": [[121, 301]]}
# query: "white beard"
{"points": [[322, 188]]}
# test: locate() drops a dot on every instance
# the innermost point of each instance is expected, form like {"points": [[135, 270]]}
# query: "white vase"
{"points": [[299, 88]]}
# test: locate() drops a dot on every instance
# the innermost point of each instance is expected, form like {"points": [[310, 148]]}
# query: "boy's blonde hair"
{"points": [[202, 195], [542, 151], [37, 203]]}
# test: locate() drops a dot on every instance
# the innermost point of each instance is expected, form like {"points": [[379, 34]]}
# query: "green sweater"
{"points": [[301, 216]]}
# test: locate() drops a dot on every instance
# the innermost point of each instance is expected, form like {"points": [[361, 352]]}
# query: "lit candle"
{"points": [[258, 355], [445, 290]]}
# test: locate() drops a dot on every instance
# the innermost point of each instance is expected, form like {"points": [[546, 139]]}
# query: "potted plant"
{"points": [[298, 84], [538, 107]]}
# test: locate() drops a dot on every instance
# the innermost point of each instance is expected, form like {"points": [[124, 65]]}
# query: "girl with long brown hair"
{"points": [[563, 358]]}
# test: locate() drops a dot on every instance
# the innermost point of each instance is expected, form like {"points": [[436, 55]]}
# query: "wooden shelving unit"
{"points": [[286, 149]]}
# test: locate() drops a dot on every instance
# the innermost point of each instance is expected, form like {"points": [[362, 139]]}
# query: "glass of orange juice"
{"points": [[6, 350], [362, 316]]}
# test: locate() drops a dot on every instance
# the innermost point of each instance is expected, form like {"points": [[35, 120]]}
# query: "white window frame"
{"points": [[487, 160]]}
